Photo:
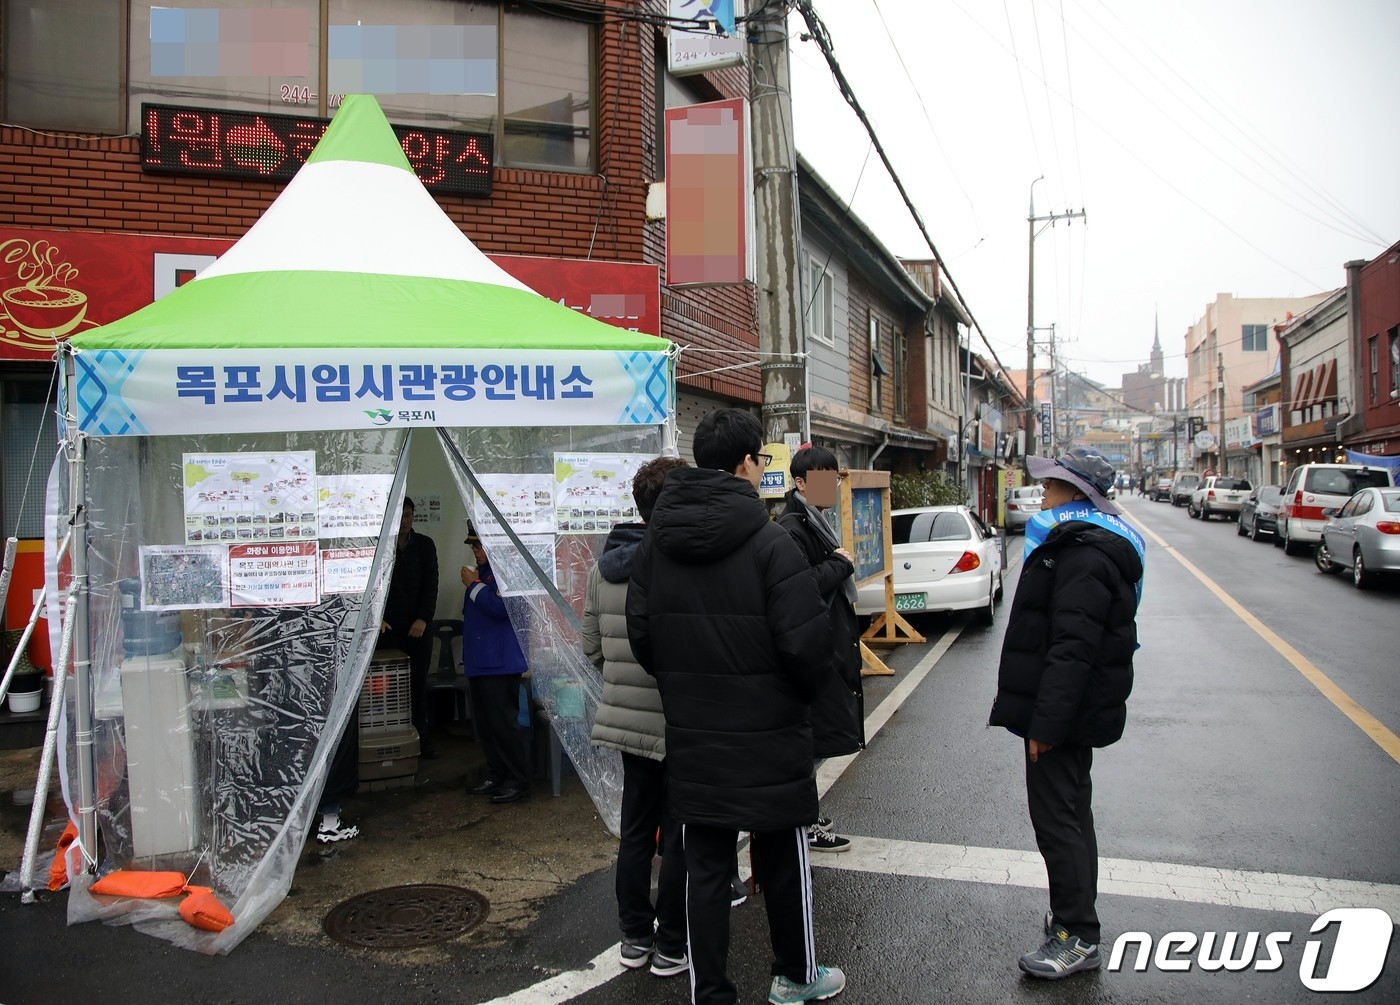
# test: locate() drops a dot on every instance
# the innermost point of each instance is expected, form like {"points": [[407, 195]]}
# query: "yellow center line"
{"points": [[1364, 720]]}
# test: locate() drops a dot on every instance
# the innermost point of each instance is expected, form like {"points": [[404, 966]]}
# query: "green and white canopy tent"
{"points": [[352, 316]]}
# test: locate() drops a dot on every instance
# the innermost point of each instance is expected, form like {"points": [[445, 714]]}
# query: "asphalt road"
{"points": [[1256, 788]]}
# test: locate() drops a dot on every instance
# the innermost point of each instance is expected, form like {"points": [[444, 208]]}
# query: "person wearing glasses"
{"points": [[838, 720], [722, 609]]}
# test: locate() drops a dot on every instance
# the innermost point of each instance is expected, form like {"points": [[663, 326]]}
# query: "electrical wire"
{"points": [[819, 34]]}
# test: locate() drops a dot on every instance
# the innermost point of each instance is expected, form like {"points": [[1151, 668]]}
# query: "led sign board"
{"points": [[208, 141]]}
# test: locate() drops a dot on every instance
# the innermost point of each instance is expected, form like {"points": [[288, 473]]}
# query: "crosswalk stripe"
{"points": [[1264, 891]]}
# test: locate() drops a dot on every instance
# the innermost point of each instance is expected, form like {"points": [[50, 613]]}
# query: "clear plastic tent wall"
{"points": [[216, 711], [543, 576]]}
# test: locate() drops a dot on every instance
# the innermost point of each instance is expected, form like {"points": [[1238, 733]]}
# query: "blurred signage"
{"points": [[703, 36], [1266, 420], [1195, 424], [1237, 433], [1047, 421], [260, 145], [988, 429], [709, 195]]}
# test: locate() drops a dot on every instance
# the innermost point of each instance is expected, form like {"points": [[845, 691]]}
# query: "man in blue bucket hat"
{"points": [[1063, 683]]}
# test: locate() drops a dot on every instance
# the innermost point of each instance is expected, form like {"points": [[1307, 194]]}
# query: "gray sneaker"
{"points": [[830, 982], [636, 953], [1061, 955]]}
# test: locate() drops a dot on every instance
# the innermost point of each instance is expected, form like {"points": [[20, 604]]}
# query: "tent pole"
{"points": [[82, 676]]}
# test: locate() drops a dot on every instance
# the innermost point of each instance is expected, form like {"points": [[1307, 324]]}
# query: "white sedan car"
{"points": [[945, 559]]}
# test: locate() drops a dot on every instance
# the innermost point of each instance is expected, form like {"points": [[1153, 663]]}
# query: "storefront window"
{"points": [[62, 63], [527, 77], [27, 446]]}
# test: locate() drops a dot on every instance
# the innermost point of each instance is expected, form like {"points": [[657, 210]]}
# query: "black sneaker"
{"points": [[667, 965], [824, 840], [636, 953], [738, 892], [1061, 956]]}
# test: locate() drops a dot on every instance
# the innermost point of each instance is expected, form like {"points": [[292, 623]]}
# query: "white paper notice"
{"points": [[526, 501], [593, 492], [273, 574], [250, 497], [345, 570], [353, 505]]}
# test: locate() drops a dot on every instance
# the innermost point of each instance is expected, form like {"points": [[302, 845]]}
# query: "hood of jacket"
{"points": [[615, 564], [703, 514], [1118, 548]]}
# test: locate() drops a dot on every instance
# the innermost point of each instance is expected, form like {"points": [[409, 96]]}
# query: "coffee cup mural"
{"points": [[43, 308]]}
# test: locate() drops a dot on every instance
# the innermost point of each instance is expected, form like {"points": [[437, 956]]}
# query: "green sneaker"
{"points": [[830, 982], [1061, 955]]}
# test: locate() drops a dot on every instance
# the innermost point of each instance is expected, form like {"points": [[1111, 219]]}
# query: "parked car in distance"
{"points": [[1218, 494], [945, 559], [1315, 487], [1182, 487], [1364, 536], [1259, 512], [1161, 489], [1022, 504]]}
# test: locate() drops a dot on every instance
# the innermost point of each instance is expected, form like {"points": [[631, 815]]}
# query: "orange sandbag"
{"points": [[132, 883], [58, 871], [204, 910]]}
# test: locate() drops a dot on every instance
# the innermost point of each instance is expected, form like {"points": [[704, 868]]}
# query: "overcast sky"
{"points": [[1240, 146]]}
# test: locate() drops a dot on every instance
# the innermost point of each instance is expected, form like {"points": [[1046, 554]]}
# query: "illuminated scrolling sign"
{"points": [[207, 141]]}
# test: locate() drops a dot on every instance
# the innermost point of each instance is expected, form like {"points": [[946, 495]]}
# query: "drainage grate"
{"points": [[405, 916]]}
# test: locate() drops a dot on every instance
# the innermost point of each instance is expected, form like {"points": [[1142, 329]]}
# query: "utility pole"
{"points": [[1049, 221], [781, 320], [1220, 391]]}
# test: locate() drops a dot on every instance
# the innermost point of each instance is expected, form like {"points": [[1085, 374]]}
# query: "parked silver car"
{"points": [[1022, 504], [1364, 535], [1182, 486]]}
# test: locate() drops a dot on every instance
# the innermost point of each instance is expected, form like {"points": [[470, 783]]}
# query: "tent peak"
{"points": [[360, 132]]}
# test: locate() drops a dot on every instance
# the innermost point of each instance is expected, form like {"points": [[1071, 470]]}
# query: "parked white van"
{"points": [[1312, 488]]}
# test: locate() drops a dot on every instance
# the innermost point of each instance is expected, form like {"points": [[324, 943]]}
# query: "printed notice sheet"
{"points": [[353, 505], [593, 492], [182, 578], [231, 498], [275, 574]]}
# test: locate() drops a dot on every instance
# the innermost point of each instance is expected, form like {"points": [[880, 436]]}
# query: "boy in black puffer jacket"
{"points": [[723, 610]]}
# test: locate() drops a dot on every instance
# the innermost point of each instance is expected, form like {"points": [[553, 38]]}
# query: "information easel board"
{"points": [[863, 502]]}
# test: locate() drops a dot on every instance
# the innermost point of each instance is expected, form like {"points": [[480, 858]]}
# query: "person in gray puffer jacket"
{"points": [[630, 719]]}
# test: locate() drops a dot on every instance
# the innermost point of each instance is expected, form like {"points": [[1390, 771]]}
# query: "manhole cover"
{"points": [[400, 916]]}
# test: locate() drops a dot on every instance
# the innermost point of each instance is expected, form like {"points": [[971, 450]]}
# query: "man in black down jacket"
{"points": [[723, 611], [1063, 684]]}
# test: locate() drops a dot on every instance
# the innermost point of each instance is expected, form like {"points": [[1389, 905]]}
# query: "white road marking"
{"points": [[1263, 891], [570, 984]]}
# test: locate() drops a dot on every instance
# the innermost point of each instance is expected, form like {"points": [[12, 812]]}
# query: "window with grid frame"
{"points": [[819, 302], [899, 358], [1395, 362], [1375, 375], [1255, 338], [878, 370]]}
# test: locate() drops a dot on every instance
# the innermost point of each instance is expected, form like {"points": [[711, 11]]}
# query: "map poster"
{"points": [[593, 492], [353, 505], [250, 497], [526, 501], [274, 574], [345, 570], [514, 577], [183, 578]]}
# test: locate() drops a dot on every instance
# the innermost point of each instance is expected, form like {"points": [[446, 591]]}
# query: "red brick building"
{"points": [[1376, 331]]}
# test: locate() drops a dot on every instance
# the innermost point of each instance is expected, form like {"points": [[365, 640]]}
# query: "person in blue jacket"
{"points": [[493, 663]]}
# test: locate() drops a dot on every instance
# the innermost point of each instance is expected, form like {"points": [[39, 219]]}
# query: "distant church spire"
{"points": [[1156, 356]]}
